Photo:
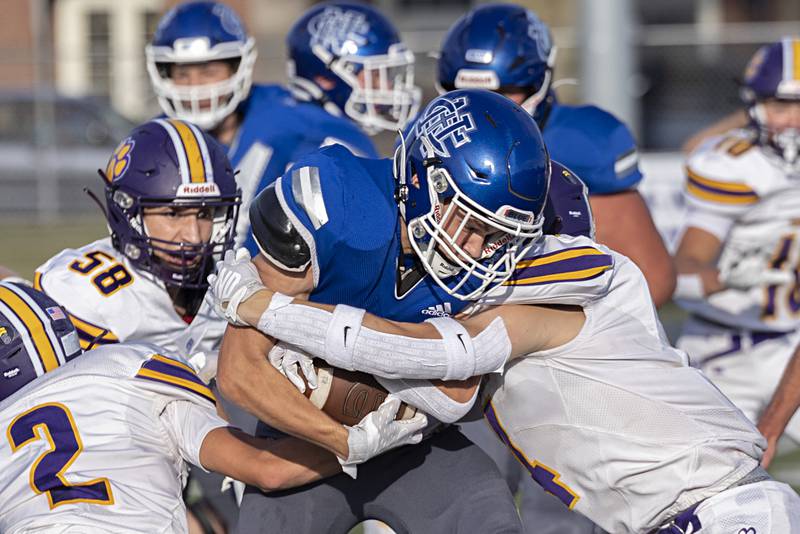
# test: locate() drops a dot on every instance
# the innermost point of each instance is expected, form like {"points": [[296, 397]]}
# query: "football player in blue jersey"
{"points": [[349, 72], [508, 49], [330, 228], [582, 411]]}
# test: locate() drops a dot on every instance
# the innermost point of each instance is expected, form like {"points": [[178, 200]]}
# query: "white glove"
{"points": [[236, 281], [751, 271], [286, 359], [378, 432]]}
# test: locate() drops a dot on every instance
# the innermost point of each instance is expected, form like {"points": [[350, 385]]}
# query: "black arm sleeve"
{"points": [[275, 234]]}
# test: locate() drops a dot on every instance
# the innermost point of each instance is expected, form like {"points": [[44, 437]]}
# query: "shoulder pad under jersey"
{"points": [[274, 233], [595, 145], [338, 201], [567, 210], [717, 177], [560, 270], [89, 283]]}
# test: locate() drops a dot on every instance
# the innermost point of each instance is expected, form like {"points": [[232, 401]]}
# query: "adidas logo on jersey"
{"points": [[440, 310]]}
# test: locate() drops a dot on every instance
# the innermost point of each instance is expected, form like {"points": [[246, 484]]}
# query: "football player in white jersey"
{"points": [[592, 399], [739, 254], [171, 206], [100, 443]]}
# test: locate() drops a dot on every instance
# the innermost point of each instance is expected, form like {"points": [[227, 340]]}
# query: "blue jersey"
{"points": [[276, 130], [595, 145], [344, 208]]}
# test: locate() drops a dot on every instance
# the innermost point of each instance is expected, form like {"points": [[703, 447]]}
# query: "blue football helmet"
{"points": [[199, 32], [500, 47], [773, 74], [476, 156], [36, 336], [360, 54], [167, 162]]}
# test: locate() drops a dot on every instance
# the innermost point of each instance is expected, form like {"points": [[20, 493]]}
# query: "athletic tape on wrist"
{"points": [[689, 286], [458, 346], [278, 301], [341, 335]]}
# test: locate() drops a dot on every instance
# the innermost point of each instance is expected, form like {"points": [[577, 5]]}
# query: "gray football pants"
{"points": [[444, 485]]}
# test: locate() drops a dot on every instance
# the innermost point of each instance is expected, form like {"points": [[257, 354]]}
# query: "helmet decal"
{"points": [[336, 28], [230, 21], [446, 121], [120, 160]]}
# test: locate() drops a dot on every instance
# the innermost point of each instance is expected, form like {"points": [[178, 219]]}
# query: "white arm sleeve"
{"points": [[424, 396], [341, 340], [187, 424]]}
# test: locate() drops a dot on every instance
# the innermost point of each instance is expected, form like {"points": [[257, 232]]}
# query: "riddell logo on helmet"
{"points": [[474, 78], [198, 190]]}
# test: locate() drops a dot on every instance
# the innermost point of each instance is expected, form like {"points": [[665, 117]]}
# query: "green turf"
{"points": [[24, 245]]}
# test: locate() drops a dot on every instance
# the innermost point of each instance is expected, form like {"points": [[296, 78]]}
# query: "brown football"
{"points": [[347, 396]]}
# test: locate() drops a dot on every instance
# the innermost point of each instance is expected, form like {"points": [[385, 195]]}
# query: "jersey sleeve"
{"points": [[61, 279], [187, 424], [566, 270], [597, 146], [716, 193]]}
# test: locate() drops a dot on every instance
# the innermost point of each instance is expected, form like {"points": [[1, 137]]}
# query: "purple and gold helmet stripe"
{"points": [[722, 192], [33, 323], [168, 371], [190, 146], [570, 265]]}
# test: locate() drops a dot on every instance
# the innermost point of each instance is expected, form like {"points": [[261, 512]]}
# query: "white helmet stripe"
{"points": [[183, 163], [201, 142]]}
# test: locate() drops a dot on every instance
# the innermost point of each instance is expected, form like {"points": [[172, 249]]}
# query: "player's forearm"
{"points": [[446, 401], [346, 338], [696, 279], [270, 464], [246, 378], [785, 401]]}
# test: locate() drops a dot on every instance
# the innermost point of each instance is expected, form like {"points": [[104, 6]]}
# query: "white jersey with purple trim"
{"points": [[101, 444], [109, 300], [737, 192], [615, 423], [560, 269]]}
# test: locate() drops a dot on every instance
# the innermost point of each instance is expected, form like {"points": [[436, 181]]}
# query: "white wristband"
{"points": [[341, 334], [689, 286], [458, 346]]}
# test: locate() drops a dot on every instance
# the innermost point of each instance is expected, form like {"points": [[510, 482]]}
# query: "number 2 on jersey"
{"points": [[53, 423], [107, 281]]}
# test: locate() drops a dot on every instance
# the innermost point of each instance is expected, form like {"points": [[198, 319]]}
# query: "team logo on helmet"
{"points": [[537, 31], [446, 120], [230, 21], [755, 64], [120, 160], [341, 31]]}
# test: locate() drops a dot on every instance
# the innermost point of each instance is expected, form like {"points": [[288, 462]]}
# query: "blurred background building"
{"points": [[72, 78]]}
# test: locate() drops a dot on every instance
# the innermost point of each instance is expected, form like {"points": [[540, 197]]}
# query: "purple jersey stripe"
{"points": [[576, 264], [173, 384], [172, 370], [725, 192]]}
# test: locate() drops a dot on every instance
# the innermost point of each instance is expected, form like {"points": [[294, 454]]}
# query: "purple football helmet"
{"points": [[773, 74], [171, 163], [36, 336]]}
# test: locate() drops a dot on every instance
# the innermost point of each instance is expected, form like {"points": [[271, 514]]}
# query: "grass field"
{"points": [[24, 245]]}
